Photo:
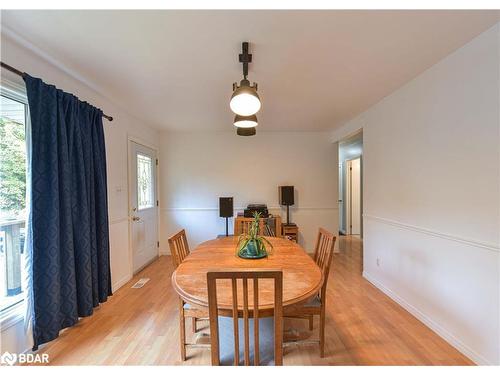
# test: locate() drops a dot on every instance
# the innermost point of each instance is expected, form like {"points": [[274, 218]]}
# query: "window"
{"points": [[13, 114], [145, 184]]}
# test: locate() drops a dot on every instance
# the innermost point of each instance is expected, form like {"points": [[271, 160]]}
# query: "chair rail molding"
{"points": [[242, 208], [118, 220], [413, 228]]}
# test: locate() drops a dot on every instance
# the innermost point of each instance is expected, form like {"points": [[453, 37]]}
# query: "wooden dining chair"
{"points": [[323, 256], [261, 326], [242, 225], [179, 250], [179, 247]]}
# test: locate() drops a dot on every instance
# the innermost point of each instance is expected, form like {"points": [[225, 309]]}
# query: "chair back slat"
{"points": [[213, 317], [242, 226], [323, 255], [245, 275], [179, 247], [245, 322], [235, 323], [256, 358]]}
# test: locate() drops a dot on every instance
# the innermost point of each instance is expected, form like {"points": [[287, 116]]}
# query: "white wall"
{"points": [[431, 197], [21, 55], [196, 169]]}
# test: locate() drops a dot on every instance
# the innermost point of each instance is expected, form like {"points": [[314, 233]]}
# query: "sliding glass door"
{"points": [[13, 111]]}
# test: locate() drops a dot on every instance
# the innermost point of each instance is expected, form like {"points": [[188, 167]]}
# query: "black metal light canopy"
{"points": [[246, 131]]}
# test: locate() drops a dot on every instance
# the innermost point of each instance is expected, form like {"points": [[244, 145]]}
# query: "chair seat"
{"points": [[193, 311], [226, 341], [315, 302], [188, 306]]}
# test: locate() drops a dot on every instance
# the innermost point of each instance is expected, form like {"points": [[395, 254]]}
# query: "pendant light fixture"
{"points": [[245, 101]]}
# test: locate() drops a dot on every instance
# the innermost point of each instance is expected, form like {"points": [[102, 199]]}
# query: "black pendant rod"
{"points": [[245, 58], [21, 74]]}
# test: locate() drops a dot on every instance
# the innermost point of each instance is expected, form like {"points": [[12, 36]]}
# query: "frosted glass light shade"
{"points": [[245, 101], [245, 121]]}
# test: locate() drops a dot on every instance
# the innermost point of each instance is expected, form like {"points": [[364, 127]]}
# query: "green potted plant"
{"points": [[251, 245]]}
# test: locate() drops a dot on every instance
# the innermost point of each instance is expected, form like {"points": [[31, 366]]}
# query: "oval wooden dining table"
{"points": [[302, 278]]}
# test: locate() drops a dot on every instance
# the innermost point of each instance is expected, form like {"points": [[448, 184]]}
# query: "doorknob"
{"points": [[136, 218]]}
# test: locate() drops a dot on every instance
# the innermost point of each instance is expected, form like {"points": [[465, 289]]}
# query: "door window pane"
{"points": [[12, 199], [145, 183]]}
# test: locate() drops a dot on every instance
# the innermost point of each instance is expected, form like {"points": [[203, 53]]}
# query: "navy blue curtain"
{"points": [[68, 212]]}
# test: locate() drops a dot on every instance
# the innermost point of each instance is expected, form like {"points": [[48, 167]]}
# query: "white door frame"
{"points": [[131, 138]]}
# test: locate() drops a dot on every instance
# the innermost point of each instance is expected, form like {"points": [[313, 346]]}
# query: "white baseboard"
{"points": [[445, 334], [117, 285]]}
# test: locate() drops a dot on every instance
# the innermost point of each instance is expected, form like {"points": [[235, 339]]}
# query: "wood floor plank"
{"points": [[363, 326]]}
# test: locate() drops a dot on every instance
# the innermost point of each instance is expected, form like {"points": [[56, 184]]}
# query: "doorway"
{"points": [[351, 185], [143, 205], [353, 197]]}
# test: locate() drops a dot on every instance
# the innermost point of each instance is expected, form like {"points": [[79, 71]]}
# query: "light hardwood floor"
{"points": [[363, 326]]}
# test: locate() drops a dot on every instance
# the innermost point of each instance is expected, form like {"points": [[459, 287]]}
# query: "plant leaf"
{"points": [[270, 245], [242, 246]]}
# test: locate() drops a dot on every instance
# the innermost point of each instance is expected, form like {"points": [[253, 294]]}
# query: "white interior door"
{"points": [[341, 183], [355, 195], [143, 205]]}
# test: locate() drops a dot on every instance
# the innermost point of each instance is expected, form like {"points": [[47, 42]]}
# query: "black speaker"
{"points": [[226, 206], [286, 195]]}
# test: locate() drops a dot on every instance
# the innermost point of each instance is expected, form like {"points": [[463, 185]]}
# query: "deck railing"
{"points": [[12, 238]]}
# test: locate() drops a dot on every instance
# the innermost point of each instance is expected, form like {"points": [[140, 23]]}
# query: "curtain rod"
{"points": [[19, 73]]}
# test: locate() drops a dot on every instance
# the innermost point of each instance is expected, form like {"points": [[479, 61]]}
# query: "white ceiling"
{"points": [[315, 69]]}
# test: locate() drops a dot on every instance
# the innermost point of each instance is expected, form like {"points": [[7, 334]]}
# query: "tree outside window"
{"points": [[12, 198]]}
